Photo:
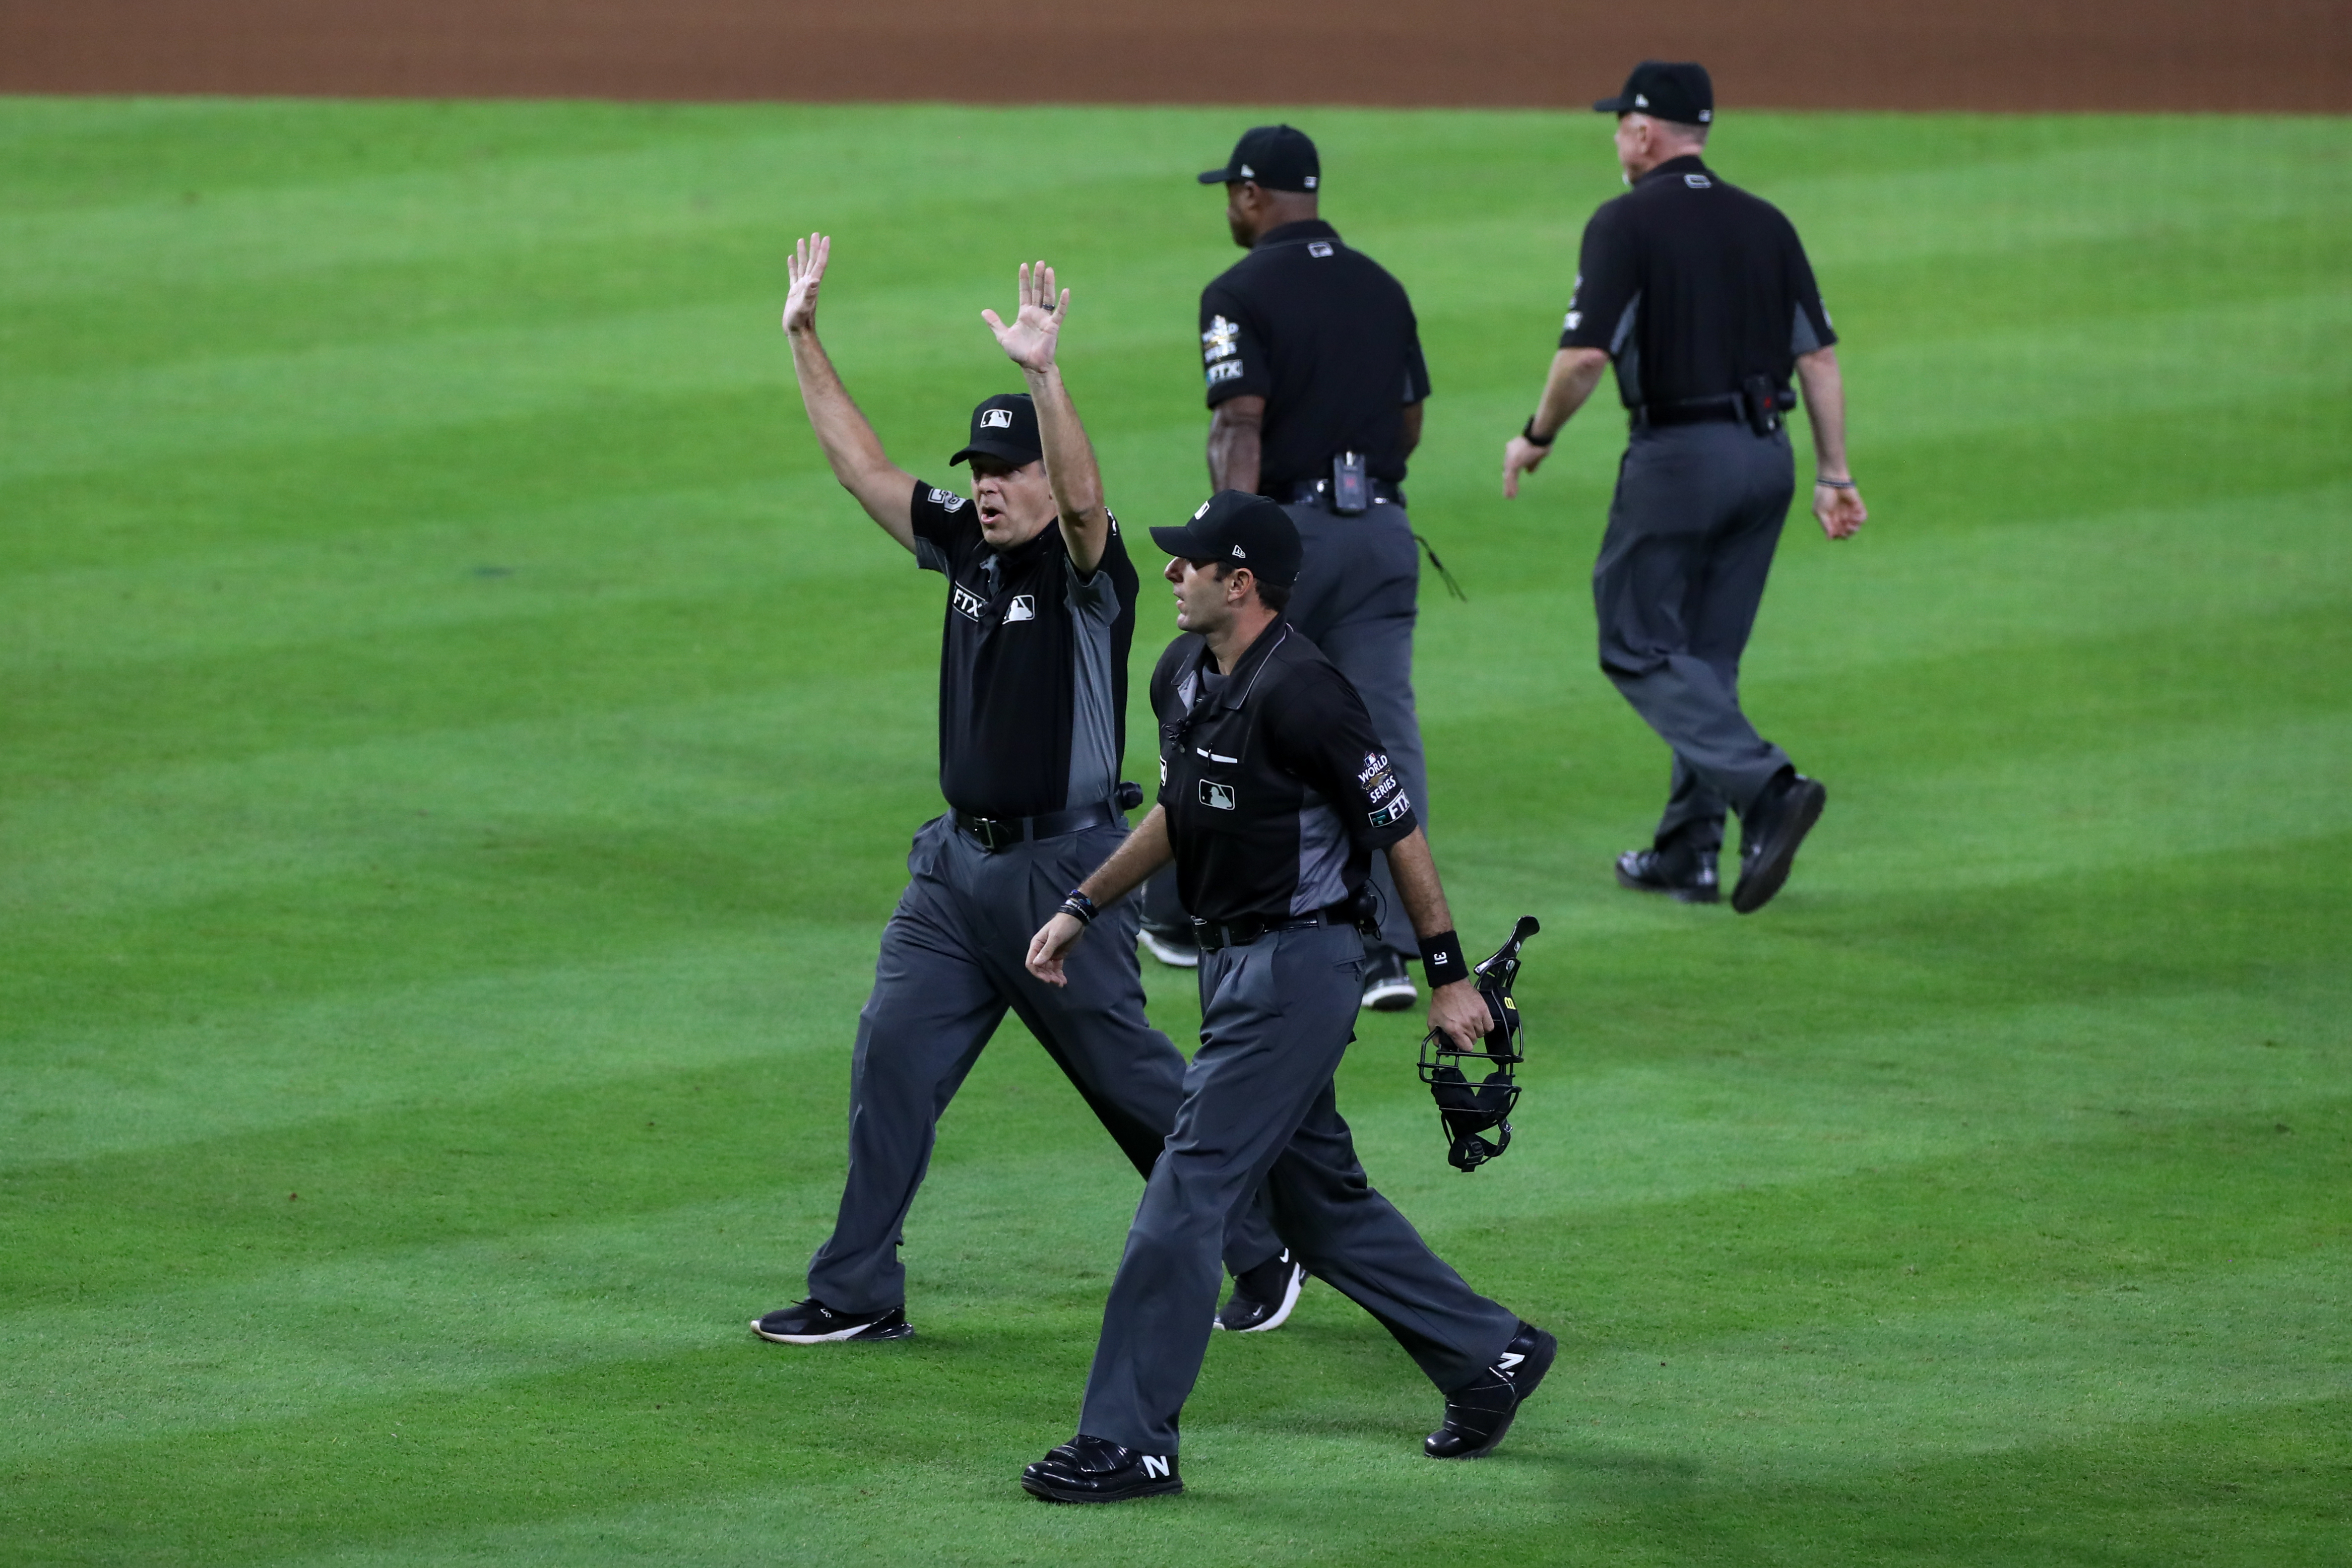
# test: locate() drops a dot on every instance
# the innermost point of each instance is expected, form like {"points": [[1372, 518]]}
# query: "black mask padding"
{"points": [[1475, 1090]]}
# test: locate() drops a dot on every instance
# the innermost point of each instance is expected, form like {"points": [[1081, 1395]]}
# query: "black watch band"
{"points": [[1527, 433]]}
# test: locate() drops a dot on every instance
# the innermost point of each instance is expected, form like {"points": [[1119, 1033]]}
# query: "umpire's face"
{"points": [[1206, 597], [1016, 503]]}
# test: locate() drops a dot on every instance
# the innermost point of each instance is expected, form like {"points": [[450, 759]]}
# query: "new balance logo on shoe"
{"points": [[1511, 1358], [1154, 1465]]}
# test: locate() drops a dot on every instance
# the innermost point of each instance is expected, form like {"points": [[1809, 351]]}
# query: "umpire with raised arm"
{"points": [[1313, 365], [1033, 700], [1701, 296], [1276, 791]]}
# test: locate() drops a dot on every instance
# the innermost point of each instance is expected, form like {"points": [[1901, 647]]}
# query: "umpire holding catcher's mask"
{"points": [[1274, 793], [1033, 697], [1315, 377], [1701, 296]]}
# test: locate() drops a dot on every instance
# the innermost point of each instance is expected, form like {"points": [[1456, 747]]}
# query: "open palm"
{"points": [[807, 271], [1037, 325]]}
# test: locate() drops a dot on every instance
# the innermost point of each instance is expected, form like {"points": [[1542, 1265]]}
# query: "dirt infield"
{"points": [[2275, 54]]}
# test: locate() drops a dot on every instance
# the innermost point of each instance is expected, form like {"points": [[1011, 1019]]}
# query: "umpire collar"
{"points": [[1246, 669], [1295, 234], [1688, 163]]}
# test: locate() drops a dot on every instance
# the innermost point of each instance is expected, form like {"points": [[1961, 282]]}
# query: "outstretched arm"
{"points": [[1574, 373], [1145, 851], [1070, 468], [1457, 1008], [886, 490], [1837, 504]]}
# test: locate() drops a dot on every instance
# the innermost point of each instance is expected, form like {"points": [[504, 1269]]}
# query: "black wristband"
{"points": [[1079, 907], [1442, 960], [1834, 484], [1527, 433]]}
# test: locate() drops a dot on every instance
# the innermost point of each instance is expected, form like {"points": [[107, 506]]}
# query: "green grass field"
{"points": [[459, 746]]}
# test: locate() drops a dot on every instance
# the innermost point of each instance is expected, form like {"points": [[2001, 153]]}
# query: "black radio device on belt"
{"points": [[1763, 402], [1470, 1107], [1352, 492]]}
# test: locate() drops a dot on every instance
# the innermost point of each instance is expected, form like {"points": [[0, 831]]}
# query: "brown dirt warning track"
{"points": [[2273, 56]]}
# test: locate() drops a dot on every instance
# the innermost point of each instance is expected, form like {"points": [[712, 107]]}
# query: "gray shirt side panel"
{"points": [[930, 557], [1802, 338], [1093, 708], [1627, 354], [1322, 857]]}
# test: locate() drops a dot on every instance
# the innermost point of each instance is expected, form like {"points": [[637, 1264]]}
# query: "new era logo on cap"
{"points": [[1277, 157], [1677, 90], [1247, 530]]}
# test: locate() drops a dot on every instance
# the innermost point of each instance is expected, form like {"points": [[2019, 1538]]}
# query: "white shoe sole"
{"points": [[1170, 953], [1282, 1313], [836, 1335], [1391, 996]]}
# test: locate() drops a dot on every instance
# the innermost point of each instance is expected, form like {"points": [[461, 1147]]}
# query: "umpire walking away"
{"points": [[1276, 791], [1702, 296], [1316, 380], [1032, 699]]}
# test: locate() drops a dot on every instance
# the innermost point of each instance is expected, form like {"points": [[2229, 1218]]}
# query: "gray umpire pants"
{"points": [[1357, 599], [1697, 513], [953, 964], [1276, 1017]]}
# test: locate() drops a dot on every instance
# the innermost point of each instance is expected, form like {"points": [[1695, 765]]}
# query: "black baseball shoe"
{"points": [[1388, 988], [1096, 1469], [814, 1322], [1685, 875], [1478, 1417], [1769, 835], [1263, 1296]]}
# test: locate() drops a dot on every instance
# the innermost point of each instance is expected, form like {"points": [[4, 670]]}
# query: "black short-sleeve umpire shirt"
{"points": [[1032, 664], [1277, 786], [1328, 338], [1691, 285]]}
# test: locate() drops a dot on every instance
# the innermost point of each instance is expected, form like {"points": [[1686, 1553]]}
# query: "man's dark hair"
{"points": [[1274, 596]]}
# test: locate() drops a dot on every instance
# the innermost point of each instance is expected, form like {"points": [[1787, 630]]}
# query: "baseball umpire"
{"points": [[1316, 380], [1701, 296], [1032, 699], [1274, 793]]}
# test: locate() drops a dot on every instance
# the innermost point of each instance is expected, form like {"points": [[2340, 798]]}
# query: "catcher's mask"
{"points": [[1468, 1107]]}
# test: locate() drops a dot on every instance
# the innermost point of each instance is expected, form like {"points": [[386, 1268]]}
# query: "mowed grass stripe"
{"points": [[2281, 347]]}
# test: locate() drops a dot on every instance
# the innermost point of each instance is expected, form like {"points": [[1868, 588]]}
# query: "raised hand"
{"points": [[1037, 325], [807, 270]]}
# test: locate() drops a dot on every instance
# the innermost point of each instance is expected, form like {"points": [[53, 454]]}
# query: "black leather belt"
{"points": [[1318, 493], [1212, 935], [995, 833], [1691, 411]]}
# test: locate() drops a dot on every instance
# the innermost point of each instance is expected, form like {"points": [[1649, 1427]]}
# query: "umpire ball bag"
{"points": [[1476, 1089]]}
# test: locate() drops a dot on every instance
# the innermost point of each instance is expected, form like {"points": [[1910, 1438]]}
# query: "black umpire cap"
{"points": [[1240, 529], [1005, 427], [1678, 91], [1277, 157]]}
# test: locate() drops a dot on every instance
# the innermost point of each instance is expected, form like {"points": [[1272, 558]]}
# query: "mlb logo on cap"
{"points": [[1005, 427]]}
